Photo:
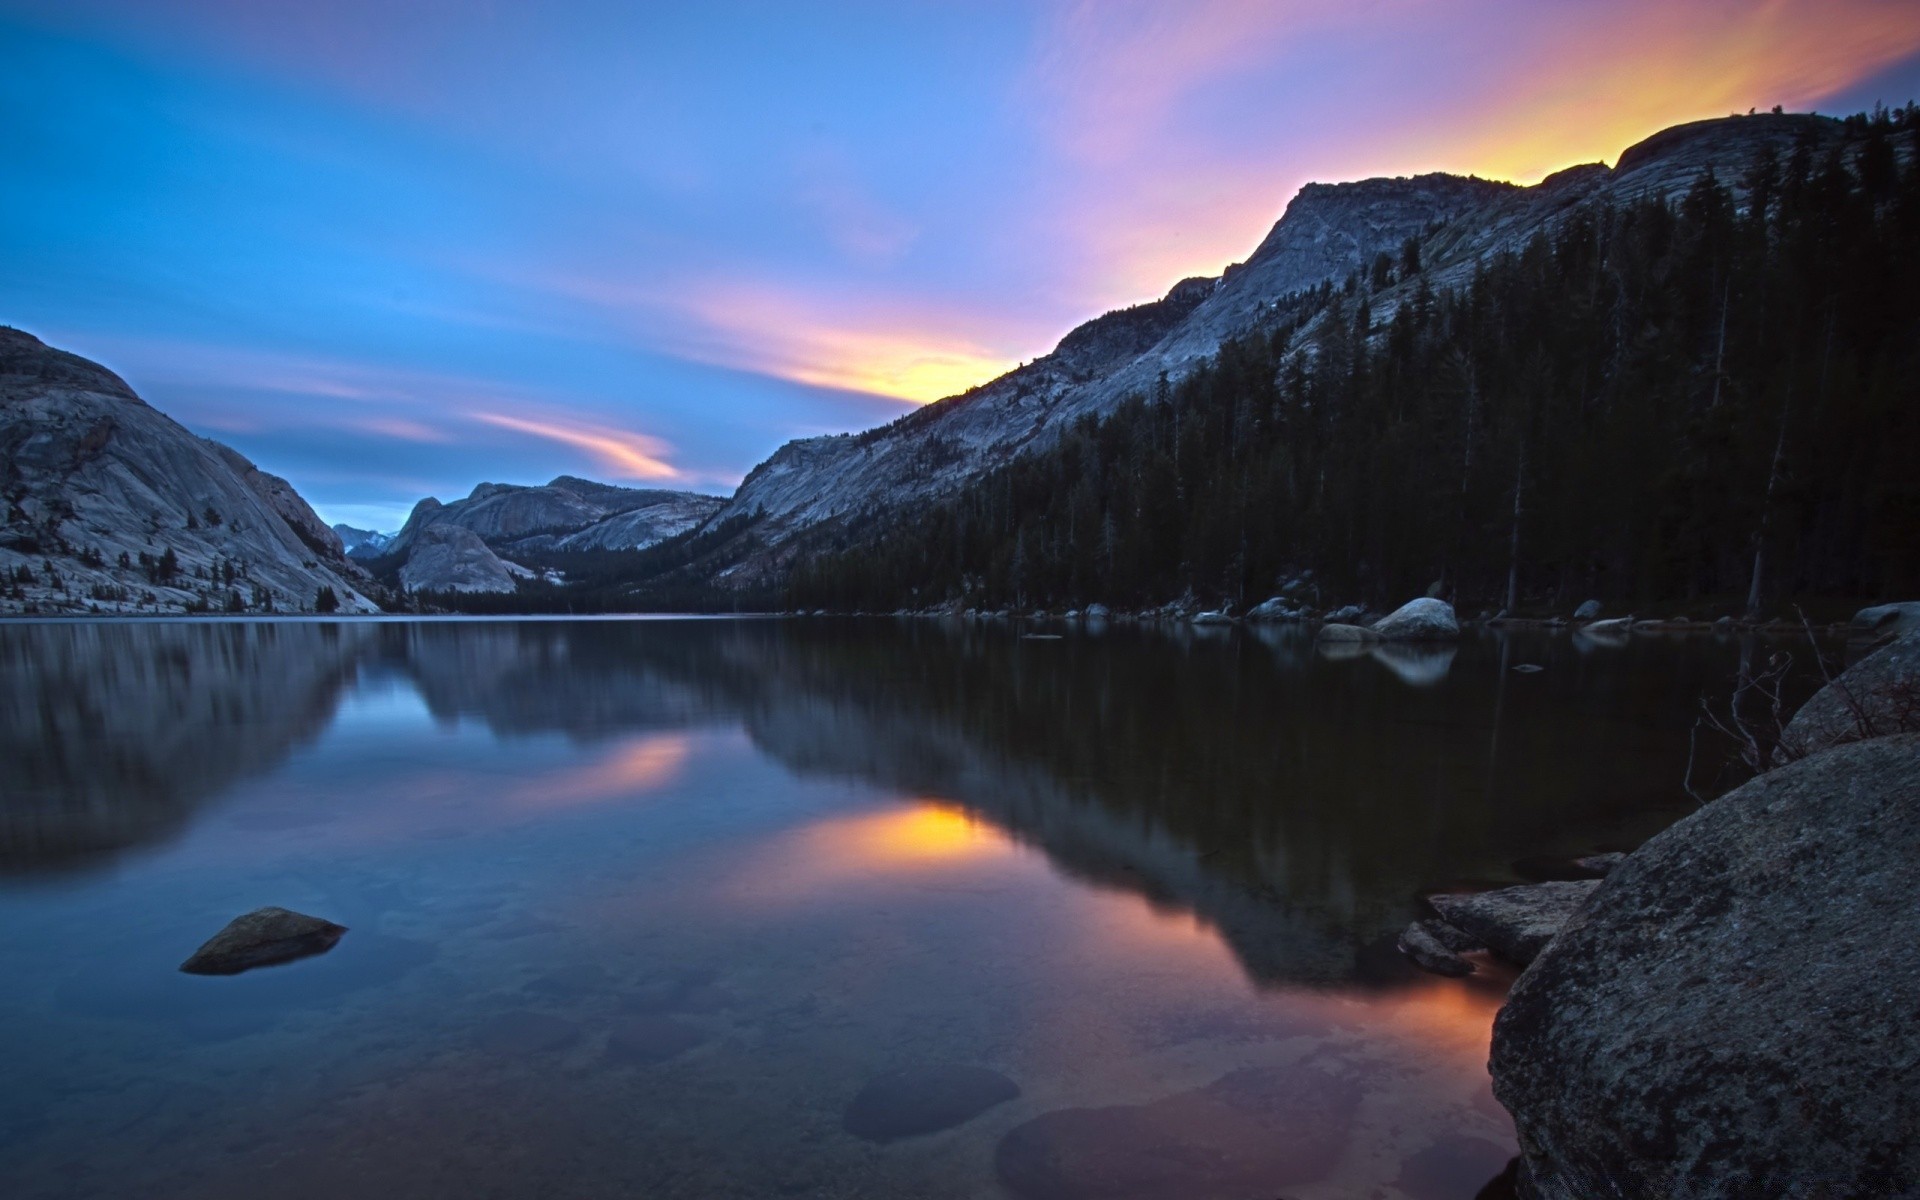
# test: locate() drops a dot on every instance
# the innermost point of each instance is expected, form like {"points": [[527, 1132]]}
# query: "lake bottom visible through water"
{"points": [[742, 908]]}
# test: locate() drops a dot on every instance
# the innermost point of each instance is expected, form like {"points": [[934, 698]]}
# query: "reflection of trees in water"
{"points": [[113, 733], [1296, 802]]}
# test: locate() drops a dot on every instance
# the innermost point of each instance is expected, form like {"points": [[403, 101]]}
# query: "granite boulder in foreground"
{"points": [[1736, 1010], [262, 938]]}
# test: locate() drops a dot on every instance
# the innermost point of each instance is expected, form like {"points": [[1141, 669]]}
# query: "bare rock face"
{"points": [[1733, 1012], [450, 558], [1516, 922], [1877, 696], [263, 938], [107, 505], [566, 514], [920, 1100]]}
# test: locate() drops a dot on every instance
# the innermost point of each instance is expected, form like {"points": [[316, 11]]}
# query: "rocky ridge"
{"points": [[111, 506], [1327, 233], [500, 521]]}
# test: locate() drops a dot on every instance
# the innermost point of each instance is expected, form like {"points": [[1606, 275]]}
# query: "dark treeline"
{"points": [[1707, 403]]}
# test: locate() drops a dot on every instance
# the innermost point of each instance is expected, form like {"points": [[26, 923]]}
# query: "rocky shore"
{"points": [[1729, 1011]]}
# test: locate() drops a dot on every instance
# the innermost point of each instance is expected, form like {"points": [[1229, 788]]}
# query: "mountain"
{"points": [[502, 523], [363, 543], [111, 506], [1327, 234], [1688, 390]]}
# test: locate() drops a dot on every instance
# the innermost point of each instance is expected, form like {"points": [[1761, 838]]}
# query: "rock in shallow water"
{"points": [[1734, 1012], [262, 938], [1246, 1133], [917, 1100], [1429, 953], [1516, 922], [1425, 619]]}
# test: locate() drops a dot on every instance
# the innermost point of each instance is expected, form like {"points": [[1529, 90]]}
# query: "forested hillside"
{"points": [[1713, 403]]}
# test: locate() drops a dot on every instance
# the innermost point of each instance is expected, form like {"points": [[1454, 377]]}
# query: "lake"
{"points": [[640, 907]]}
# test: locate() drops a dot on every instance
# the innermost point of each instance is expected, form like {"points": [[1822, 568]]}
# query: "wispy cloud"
{"points": [[894, 347], [627, 455]]}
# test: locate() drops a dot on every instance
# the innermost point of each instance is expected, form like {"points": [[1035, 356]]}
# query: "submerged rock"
{"points": [[1246, 1133], [1733, 1013], [1419, 943], [919, 1100], [262, 938], [1516, 922], [1425, 619]]}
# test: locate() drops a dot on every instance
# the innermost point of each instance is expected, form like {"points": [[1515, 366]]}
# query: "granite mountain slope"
{"points": [[1328, 233], [111, 506], [470, 545]]}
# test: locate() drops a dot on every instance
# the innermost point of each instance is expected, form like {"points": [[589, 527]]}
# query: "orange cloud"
{"points": [[1134, 92], [887, 347], [629, 455]]}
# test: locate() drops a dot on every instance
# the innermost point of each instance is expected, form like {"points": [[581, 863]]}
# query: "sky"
{"points": [[395, 248]]}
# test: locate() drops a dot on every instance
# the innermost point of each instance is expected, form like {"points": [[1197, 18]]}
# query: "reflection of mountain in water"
{"points": [[587, 680], [1294, 802], [113, 733]]}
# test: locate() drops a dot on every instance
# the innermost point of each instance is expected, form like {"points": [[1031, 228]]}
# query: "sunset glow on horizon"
{"points": [[395, 248]]}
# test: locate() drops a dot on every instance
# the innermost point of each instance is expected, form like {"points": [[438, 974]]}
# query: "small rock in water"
{"points": [[653, 1038], [918, 1100], [262, 938], [522, 1032], [1429, 954], [1517, 922]]}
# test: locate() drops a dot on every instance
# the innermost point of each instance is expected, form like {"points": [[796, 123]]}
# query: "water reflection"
{"points": [[644, 903]]}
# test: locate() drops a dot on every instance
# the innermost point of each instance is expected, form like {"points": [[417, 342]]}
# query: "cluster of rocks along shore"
{"points": [[1728, 1010], [1588, 619]]}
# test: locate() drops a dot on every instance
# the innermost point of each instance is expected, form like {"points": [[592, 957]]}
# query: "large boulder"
{"points": [[1425, 619], [1733, 1012], [1876, 696]]}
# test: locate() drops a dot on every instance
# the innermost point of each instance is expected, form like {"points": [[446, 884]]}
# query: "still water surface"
{"points": [[637, 907]]}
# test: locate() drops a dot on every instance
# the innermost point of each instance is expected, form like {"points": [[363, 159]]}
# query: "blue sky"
{"points": [[392, 248]]}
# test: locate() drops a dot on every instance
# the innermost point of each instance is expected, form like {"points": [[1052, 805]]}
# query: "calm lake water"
{"points": [[639, 906]]}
